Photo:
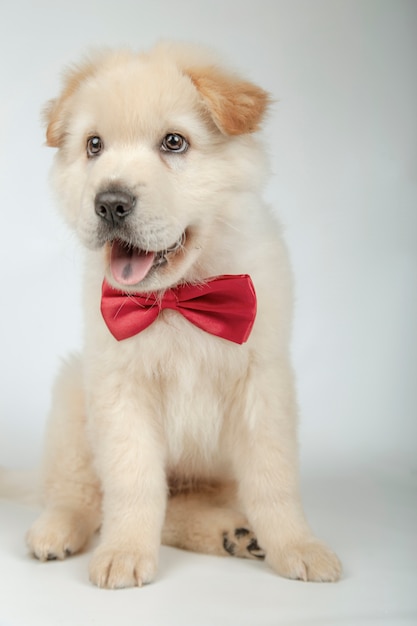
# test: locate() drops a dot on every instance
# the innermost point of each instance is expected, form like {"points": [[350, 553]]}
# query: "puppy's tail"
{"points": [[20, 485]]}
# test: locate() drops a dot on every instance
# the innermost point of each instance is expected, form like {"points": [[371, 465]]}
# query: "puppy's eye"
{"points": [[173, 142], [94, 146]]}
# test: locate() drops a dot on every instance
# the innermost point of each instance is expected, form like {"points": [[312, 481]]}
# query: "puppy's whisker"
{"points": [[123, 303], [228, 224]]}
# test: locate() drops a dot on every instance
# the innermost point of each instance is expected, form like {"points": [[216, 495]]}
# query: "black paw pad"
{"points": [[254, 549], [228, 545]]}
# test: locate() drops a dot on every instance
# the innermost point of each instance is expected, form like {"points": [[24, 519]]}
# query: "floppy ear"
{"points": [[54, 118], [236, 106], [56, 112]]}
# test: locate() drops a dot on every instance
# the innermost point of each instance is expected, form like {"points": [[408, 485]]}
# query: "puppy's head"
{"points": [[153, 151]]}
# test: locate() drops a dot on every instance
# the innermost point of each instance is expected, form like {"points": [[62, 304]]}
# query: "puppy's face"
{"points": [[150, 153]]}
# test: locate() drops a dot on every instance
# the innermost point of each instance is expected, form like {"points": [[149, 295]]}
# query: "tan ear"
{"points": [[54, 119], [236, 106], [56, 112]]}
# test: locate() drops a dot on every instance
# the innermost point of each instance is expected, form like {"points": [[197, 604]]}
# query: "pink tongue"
{"points": [[129, 265]]}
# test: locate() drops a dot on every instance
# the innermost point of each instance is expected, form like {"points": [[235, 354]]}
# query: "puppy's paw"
{"points": [[57, 534], [111, 568], [242, 543], [309, 561]]}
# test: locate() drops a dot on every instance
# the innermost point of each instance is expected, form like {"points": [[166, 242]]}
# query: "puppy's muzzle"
{"points": [[113, 206]]}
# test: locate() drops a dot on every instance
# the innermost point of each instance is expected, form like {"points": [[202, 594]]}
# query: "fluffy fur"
{"points": [[173, 433]]}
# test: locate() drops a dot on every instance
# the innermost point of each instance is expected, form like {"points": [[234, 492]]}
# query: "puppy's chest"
{"points": [[185, 379], [197, 378], [193, 413]]}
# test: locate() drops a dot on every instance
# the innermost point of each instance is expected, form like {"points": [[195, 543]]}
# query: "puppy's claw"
{"points": [[113, 569], [309, 561]]}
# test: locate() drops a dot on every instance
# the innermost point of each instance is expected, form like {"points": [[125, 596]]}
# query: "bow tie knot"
{"points": [[224, 306]]}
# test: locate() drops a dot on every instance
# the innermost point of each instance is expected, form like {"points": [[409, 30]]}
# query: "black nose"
{"points": [[114, 206]]}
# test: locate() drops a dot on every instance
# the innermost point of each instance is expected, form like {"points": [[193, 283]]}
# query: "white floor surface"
{"points": [[368, 515]]}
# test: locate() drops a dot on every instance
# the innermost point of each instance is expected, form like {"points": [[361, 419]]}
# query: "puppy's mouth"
{"points": [[130, 265]]}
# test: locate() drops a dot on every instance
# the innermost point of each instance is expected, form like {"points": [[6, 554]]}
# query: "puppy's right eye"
{"points": [[94, 146]]}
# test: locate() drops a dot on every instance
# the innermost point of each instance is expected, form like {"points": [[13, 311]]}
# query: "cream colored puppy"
{"points": [[179, 429]]}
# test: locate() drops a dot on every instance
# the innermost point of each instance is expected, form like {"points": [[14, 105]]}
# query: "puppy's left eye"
{"points": [[173, 142], [94, 146]]}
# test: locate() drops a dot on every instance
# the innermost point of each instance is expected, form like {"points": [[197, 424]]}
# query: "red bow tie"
{"points": [[224, 306]]}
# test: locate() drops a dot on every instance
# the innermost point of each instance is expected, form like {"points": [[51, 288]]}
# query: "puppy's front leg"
{"points": [[268, 482], [129, 454]]}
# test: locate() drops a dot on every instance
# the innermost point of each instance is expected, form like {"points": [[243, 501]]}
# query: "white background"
{"points": [[342, 137]]}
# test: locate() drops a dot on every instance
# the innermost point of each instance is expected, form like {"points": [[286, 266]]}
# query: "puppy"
{"points": [[178, 422]]}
